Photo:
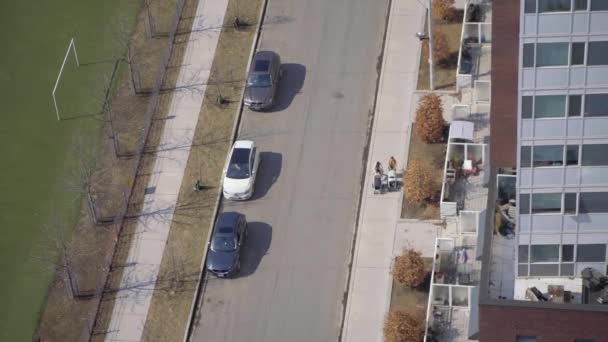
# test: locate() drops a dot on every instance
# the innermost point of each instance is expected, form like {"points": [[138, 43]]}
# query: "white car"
{"points": [[240, 171]]}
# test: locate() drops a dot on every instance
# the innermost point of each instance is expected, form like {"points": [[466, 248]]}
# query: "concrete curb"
{"points": [[442, 92], [235, 130], [431, 221]]}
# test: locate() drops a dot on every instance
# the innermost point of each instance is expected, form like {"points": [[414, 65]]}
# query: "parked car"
{"points": [[229, 233], [241, 170], [262, 81]]}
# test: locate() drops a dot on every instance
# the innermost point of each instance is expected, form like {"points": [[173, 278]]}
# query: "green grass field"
{"points": [[37, 156]]}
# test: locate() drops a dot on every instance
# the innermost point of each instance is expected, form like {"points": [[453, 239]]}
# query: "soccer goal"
{"points": [[71, 46]]}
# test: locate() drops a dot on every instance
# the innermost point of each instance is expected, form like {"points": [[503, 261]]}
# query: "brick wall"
{"points": [[505, 57], [504, 323]]}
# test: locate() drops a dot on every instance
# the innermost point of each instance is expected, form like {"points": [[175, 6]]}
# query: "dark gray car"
{"points": [[262, 81], [223, 258]]}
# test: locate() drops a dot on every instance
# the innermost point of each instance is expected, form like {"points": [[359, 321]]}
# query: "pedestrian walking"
{"points": [[379, 169]]}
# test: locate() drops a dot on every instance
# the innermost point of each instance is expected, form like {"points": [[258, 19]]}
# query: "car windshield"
{"points": [[238, 168], [259, 80], [223, 243]]}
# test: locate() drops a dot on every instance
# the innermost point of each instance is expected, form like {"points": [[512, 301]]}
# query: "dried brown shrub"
{"points": [[429, 119], [401, 326], [408, 268], [419, 182], [441, 48], [444, 9]]}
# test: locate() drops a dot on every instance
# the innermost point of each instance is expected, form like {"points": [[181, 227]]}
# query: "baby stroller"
{"points": [[380, 183], [392, 180]]}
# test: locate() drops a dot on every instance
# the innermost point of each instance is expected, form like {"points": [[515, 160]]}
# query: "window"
{"points": [[553, 6], [580, 5], [261, 65], [577, 54], [595, 155], [259, 80], [545, 260], [554, 106], [544, 269], [522, 255], [524, 204], [593, 202], [567, 253], [570, 203], [252, 160], [522, 270], [574, 105], [598, 53], [528, 55], [549, 155], [544, 253], [549, 106], [591, 253], [552, 54], [595, 105], [526, 157], [530, 6], [567, 270], [525, 338], [526, 107], [572, 155], [546, 203], [599, 5], [238, 168]]}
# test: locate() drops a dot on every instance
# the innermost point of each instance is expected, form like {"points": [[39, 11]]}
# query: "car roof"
{"points": [[243, 144], [227, 219], [260, 64]]}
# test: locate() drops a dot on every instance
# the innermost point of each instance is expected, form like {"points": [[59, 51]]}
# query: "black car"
{"points": [[223, 258], [264, 74]]}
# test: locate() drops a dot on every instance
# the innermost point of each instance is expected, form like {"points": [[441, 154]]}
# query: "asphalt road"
{"points": [[303, 214]]}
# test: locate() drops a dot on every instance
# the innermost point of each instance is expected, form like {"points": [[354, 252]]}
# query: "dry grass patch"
{"points": [[400, 326], [445, 68], [407, 309], [434, 155]]}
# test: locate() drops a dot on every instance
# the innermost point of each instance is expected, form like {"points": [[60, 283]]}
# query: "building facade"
{"points": [[549, 120], [562, 137]]}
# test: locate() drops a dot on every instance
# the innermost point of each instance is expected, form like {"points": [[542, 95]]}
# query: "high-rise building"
{"points": [[543, 274]]}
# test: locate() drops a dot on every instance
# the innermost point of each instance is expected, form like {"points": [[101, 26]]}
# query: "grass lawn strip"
{"points": [[40, 185]]}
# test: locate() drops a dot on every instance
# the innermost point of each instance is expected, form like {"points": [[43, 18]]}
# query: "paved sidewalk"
{"points": [[416, 234], [370, 283], [138, 281]]}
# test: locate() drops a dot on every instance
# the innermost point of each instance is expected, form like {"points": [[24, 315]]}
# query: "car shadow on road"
{"points": [[256, 246], [290, 85], [268, 173]]}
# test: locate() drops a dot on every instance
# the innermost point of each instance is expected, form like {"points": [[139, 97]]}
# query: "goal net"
{"points": [[72, 47]]}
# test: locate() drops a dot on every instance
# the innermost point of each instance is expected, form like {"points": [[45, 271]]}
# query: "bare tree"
{"points": [[128, 53], [55, 252], [85, 178]]}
